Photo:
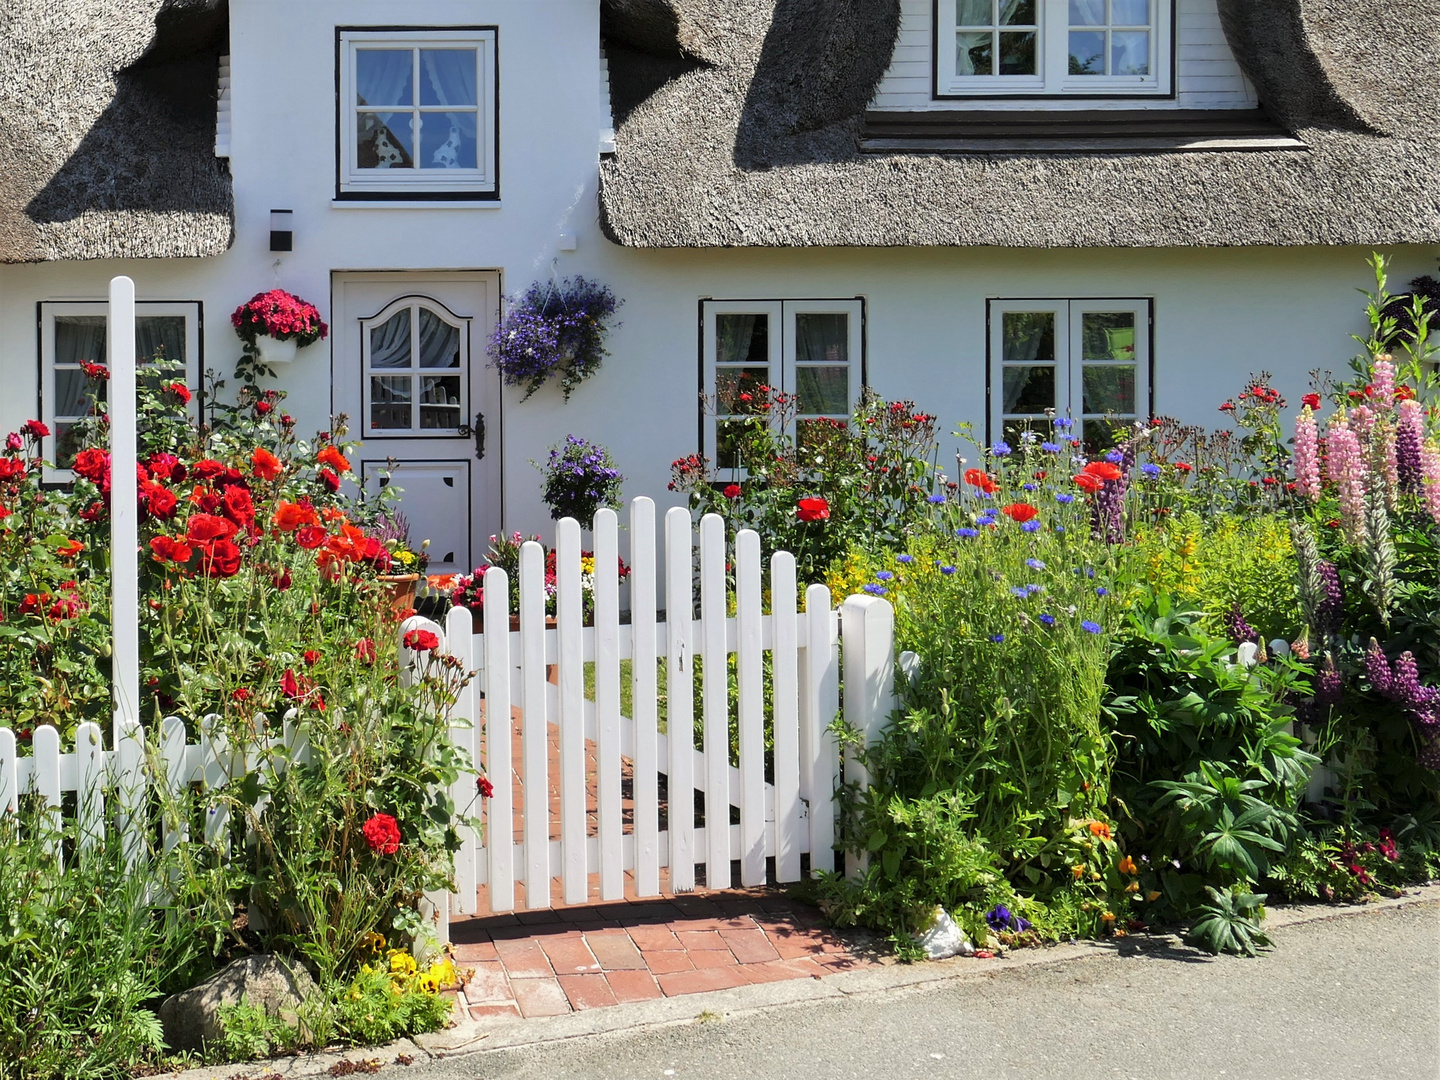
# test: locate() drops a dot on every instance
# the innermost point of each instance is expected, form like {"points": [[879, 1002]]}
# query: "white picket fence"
{"points": [[790, 816]]}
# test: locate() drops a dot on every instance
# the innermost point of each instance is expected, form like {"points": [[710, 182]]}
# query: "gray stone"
{"points": [[192, 1017]]}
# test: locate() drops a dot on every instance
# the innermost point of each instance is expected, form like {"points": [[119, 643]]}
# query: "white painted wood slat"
{"points": [[644, 698], [607, 704], [499, 814], [569, 618], [715, 699], [750, 718], [679, 697], [785, 688], [535, 735]]}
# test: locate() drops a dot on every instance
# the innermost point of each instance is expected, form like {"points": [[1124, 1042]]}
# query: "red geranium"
{"points": [[812, 508], [1312, 401], [1021, 512], [732, 491], [382, 833]]}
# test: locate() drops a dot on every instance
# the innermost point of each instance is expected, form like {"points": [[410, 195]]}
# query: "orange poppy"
{"points": [[1104, 470], [290, 516]]}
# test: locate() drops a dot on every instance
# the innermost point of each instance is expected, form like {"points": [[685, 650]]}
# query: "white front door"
{"points": [[409, 368]]}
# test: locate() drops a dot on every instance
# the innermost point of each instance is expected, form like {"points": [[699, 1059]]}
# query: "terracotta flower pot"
{"points": [[402, 590]]}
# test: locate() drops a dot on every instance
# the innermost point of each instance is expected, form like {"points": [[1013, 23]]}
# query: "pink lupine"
{"points": [[1382, 383], [1346, 466], [1362, 420], [1430, 478], [1307, 454]]}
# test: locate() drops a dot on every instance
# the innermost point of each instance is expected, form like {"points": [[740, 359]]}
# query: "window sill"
{"points": [[414, 204]]}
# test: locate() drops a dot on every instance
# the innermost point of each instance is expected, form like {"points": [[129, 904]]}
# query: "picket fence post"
{"points": [[867, 629]]}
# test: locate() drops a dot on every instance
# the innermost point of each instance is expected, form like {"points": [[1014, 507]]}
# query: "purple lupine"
{"points": [[1421, 703], [1107, 509], [1328, 684], [1331, 606], [1377, 668], [1239, 630], [1409, 447]]}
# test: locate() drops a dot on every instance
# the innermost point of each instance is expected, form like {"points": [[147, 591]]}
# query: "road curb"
{"points": [[472, 1038]]}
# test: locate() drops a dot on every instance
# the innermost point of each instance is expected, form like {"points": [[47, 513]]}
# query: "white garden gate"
{"points": [[540, 672]]}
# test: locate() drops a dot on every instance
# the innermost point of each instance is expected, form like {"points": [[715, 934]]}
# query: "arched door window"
{"points": [[416, 359]]}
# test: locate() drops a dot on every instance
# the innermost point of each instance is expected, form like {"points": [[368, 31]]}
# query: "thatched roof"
{"points": [[107, 130], [741, 123]]}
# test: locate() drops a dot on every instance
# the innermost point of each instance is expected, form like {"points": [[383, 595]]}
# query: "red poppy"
{"points": [[1311, 401], [168, 549], [420, 641], [290, 516], [1087, 482], [69, 549], [812, 508], [265, 465], [311, 657], [1184, 467], [365, 650], [1104, 470], [206, 527], [289, 686], [981, 479], [382, 833], [732, 491], [283, 581], [1021, 512], [220, 559], [310, 537]]}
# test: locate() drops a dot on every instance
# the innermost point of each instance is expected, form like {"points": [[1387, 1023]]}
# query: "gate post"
{"points": [[867, 644]]}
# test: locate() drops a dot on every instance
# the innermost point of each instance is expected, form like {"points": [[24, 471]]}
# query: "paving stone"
{"points": [[478, 953], [540, 997], [507, 1010], [654, 938], [488, 984], [615, 952], [663, 963], [700, 981], [780, 970], [587, 991], [749, 946], [690, 940], [712, 958], [524, 959], [569, 956], [633, 986]]}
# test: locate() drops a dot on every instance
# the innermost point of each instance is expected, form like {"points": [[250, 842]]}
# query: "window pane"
{"points": [[731, 383], [742, 339], [1029, 389], [71, 386], [1029, 336], [1087, 12], [728, 437], [439, 341], [974, 13], [439, 402], [1109, 389], [822, 337], [160, 336], [1108, 335], [974, 54], [384, 77], [1017, 12], [823, 390], [79, 337], [447, 77], [67, 445], [1130, 12], [1017, 54], [383, 141], [390, 342], [389, 403], [447, 140], [1087, 52], [1129, 52]]}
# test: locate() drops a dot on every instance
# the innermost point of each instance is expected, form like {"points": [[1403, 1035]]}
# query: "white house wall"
{"points": [[1220, 314], [1206, 74]]}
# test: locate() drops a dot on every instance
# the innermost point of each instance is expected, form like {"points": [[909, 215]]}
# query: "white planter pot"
{"points": [[273, 351]]}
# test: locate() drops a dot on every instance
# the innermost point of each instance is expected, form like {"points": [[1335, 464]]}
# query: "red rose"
{"points": [[238, 506], [94, 465], [161, 502], [208, 469], [732, 491], [1311, 401], [35, 429], [203, 528], [12, 469], [1021, 512], [264, 464], [334, 458], [420, 641], [240, 694], [330, 481], [812, 508], [220, 559], [485, 787], [181, 391], [262, 407], [169, 549], [382, 833]]}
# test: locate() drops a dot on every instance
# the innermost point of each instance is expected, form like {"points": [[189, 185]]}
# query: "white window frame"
{"points": [[1052, 49], [481, 182], [783, 357], [1069, 363], [414, 372], [190, 310]]}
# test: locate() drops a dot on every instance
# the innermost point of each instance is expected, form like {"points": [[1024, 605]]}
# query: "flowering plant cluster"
{"points": [[468, 590], [580, 478], [553, 332], [280, 315]]}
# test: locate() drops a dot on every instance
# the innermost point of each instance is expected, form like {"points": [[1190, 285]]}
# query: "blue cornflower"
{"points": [[936, 500], [884, 575], [1100, 590], [874, 590], [947, 570], [1065, 497], [1050, 447], [1048, 620], [1031, 526], [1027, 436], [1063, 423], [998, 639], [1151, 470], [1035, 564], [904, 558], [1000, 449], [1059, 528], [1114, 457], [1020, 591], [1027, 487], [967, 534], [1031, 590], [1090, 627]]}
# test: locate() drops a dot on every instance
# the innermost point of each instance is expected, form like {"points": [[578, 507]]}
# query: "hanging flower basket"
{"points": [[274, 324], [553, 332]]}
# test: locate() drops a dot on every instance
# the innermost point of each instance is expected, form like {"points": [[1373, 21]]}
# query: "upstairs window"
{"points": [[1078, 48], [418, 114]]}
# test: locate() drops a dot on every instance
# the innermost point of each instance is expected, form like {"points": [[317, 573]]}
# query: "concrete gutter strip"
{"points": [[474, 1038]]}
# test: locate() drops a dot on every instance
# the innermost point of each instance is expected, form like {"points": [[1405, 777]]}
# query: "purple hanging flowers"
{"points": [[553, 331]]}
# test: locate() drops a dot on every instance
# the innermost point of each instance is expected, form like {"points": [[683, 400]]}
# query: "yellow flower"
{"points": [[1078, 871], [1153, 896], [1134, 886], [375, 942], [1094, 875], [402, 963], [1107, 917], [1127, 866], [443, 972], [429, 984]]}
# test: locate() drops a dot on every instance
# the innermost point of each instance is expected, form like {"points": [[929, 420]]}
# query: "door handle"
{"points": [[479, 429]]}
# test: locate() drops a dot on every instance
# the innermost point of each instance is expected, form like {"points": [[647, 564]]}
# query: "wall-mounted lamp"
{"points": [[282, 230]]}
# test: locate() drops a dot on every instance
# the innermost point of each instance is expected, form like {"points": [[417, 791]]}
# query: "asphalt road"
{"points": [[1351, 998]]}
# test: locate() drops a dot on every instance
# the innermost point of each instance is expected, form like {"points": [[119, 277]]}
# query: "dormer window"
{"points": [[1053, 48], [417, 114]]}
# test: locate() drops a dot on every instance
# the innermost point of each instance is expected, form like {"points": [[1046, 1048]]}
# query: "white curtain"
{"points": [[449, 78], [390, 342], [439, 342]]}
